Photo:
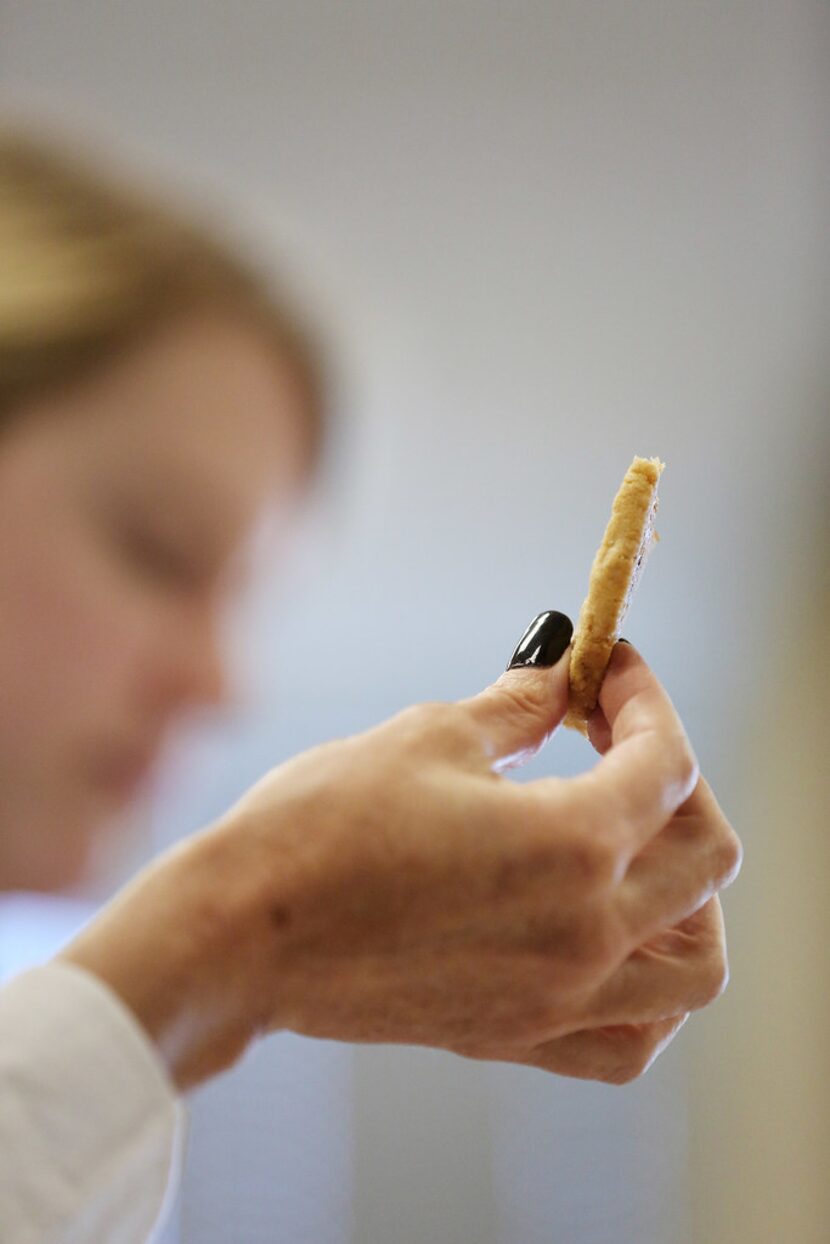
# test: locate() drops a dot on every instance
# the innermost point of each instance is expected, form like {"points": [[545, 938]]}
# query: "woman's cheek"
{"points": [[90, 621]]}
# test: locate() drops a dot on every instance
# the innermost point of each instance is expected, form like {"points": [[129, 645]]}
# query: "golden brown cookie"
{"points": [[614, 575]]}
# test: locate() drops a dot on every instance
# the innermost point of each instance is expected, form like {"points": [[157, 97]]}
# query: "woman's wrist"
{"points": [[185, 947]]}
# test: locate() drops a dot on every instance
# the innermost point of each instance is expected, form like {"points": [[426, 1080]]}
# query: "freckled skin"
{"points": [[393, 886]]}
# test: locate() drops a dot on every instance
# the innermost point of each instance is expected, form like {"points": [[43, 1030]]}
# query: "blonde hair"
{"points": [[90, 263]]}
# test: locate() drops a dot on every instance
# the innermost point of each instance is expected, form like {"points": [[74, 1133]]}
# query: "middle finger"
{"points": [[696, 855]]}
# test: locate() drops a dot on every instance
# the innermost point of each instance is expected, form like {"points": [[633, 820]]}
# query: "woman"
{"points": [[393, 886]]}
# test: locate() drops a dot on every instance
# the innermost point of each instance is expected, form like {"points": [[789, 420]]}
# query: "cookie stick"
{"points": [[614, 575]]}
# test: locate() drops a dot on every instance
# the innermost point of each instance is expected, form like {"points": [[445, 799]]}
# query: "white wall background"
{"points": [[559, 233]]}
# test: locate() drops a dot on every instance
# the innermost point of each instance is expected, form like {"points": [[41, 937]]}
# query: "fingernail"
{"points": [[544, 641], [624, 641]]}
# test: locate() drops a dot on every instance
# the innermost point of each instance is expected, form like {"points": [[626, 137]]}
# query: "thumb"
{"points": [[517, 714]]}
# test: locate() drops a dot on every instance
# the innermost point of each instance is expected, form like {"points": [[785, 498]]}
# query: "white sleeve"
{"points": [[91, 1128]]}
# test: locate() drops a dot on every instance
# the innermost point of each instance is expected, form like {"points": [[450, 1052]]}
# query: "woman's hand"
{"points": [[396, 887]]}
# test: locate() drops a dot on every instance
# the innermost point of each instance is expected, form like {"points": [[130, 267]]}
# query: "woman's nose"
{"points": [[194, 661]]}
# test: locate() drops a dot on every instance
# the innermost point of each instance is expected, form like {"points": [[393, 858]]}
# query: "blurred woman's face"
{"points": [[122, 502]]}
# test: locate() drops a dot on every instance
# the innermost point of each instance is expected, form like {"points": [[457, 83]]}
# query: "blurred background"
{"points": [[549, 235]]}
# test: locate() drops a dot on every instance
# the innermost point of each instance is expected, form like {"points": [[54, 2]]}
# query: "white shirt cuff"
{"points": [[92, 1131]]}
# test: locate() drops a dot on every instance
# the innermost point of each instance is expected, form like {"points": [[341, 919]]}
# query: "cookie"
{"points": [[614, 576]]}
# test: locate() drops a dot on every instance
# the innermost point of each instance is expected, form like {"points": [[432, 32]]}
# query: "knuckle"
{"points": [[634, 1070], [730, 855], [523, 698], [714, 979], [684, 763], [639, 1055]]}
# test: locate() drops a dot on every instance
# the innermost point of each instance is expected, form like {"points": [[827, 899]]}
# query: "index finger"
{"points": [[649, 770]]}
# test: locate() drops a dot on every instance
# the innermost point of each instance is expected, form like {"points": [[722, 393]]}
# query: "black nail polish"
{"points": [[544, 641]]}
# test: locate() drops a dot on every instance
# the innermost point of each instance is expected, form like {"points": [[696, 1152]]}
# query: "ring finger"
{"points": [[681, 969], [614, 1055]]}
